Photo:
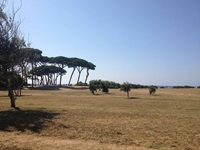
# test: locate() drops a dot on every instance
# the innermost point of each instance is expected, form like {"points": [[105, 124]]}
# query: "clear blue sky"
{"points": [[140, 41]]}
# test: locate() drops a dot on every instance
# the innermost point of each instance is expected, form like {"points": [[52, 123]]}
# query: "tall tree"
{"points": [[61, 62], [10, 44], [33, 56], [73, 62], [89, 66], [81, 64]]}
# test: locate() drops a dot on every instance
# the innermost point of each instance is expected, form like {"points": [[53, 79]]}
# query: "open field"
{"points": [[76, 119]]}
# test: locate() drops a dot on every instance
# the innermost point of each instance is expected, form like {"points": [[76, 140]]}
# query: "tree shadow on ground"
{"points": [[133, 98], [23, 120]]}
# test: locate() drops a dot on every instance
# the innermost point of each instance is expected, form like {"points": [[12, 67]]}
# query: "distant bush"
{"points": [[111, 84], [138, 86], [82, 84], [105, 88], [92, 88], [152, 89], [100, 85], [162, 87], [198, 87], [181, 87]]}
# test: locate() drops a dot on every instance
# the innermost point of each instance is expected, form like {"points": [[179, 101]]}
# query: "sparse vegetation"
{"points": [[74, 119]]}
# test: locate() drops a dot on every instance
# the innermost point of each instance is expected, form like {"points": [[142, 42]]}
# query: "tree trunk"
{"points": [[71, 76], [10, 93], [87, 76], [20, 91], [80, 69], [127, 94], [60, 79], [25, 76], [32, 76], [79, 74]]}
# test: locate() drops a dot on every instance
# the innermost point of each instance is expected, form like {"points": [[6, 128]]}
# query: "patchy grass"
{"points": [[168, 120]]}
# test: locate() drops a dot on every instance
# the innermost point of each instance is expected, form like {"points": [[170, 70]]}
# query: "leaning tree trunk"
{"points": [[79, 74], [10, 93], [87, 76], [71, 76]]}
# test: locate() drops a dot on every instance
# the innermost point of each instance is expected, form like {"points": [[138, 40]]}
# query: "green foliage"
{"points": [[16, 81], [126, 87], [138, 86], [46, 70], [98, 84], [152, 89], [198, 87], [92, 88], [104, 88], [108, 84]]}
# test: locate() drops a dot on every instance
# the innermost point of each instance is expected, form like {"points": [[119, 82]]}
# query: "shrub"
{"points": [[152, 89]]}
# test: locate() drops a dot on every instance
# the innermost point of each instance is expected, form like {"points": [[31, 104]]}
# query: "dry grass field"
{"points": [[75, 119]]}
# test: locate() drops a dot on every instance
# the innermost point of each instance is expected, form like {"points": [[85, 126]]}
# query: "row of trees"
{"points": [[183, 87], [47, 70], [19, 62], [104, 86]]}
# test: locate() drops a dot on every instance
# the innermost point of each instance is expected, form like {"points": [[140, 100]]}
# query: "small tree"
{"points": [[126, 87], [152, 89], [98, 84], [92, 87], [104, 88]]}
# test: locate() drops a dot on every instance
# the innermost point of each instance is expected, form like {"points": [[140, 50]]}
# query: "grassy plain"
{"points": [[76, 119]]}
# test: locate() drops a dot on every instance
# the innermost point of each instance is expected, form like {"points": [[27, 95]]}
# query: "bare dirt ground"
{"points": [[75, 119]]}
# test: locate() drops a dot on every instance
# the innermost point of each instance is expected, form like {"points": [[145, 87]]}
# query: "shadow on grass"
{"points": [[23, 120], [97, 94], [3, 96], [155, 95], [45, 88], [133, 98]]}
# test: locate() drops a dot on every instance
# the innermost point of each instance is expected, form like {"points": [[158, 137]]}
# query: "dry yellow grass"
{"points": [[76, 119]]}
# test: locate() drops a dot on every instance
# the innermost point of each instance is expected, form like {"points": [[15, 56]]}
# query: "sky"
{"points": [[149, 42]]}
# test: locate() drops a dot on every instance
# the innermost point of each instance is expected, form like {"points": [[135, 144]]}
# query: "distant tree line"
{"points": [[181, 87], [43, 70], [104, 86], [95, 85], [48, 70]]}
